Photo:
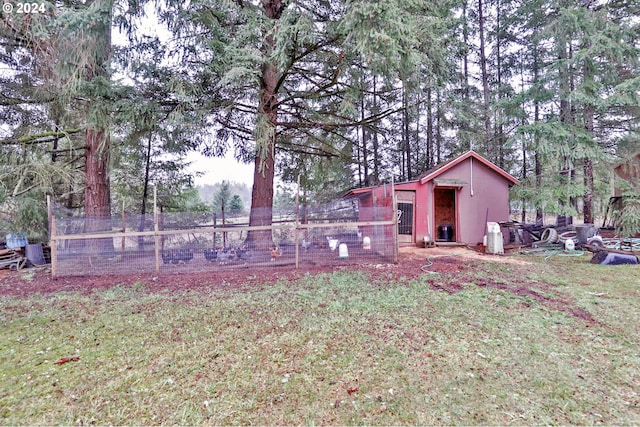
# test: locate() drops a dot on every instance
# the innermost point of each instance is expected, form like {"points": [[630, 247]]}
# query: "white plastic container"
{"points": [[494, 239], [343, 251], [366, 243], [569, 245]]}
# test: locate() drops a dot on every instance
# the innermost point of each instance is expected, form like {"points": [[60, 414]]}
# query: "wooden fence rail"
{"points": [[388, 240], [298, 228]]}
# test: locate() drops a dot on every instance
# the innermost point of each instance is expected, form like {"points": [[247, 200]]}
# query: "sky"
{"points": [[218, 169]]}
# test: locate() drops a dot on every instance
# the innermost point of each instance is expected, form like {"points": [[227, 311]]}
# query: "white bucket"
{"points": [[343, 251], [494, 243], [569, 245], [493, 227], [366, 243]]}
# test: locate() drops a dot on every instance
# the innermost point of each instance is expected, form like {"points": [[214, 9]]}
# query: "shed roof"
{"points": [[358, 192], [443, 167], [434, 172]]}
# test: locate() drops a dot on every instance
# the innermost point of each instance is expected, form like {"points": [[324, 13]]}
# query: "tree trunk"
{"points": [[465, 125], [523, 217], [359, 162], [499, 136], [538, 168], [429, 154], [374, 139], [97, 195], [485, 84], [266, 137], [145, 191], [438, 154], [405, 131], [587, 166], [262, 202], [419, 163], [566, 115], [465, 35], [588, 196], [364, 163], [536, 119]]}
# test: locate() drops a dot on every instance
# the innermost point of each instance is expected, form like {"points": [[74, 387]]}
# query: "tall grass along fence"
{"points": [[307, 236]]}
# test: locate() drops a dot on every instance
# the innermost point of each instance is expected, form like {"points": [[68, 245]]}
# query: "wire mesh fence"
{"points": [[331, 235]]}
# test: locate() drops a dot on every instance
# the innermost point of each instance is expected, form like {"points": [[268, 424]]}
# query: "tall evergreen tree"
{"points": [[286, 78], [94, 51], [576, 81]]}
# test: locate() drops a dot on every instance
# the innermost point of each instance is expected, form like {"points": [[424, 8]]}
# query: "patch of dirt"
{"points": [[555, 302], [39, 280], [445, 269], [410, 252]]}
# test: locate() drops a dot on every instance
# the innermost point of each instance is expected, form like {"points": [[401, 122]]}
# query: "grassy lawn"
{"points": [[539, 342]]}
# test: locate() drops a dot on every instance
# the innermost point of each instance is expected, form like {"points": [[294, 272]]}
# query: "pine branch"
{"points": [[346, 122], [9, 101], [230, 126], [40, 138], [325, 149], [305, 150], [308, 51]]}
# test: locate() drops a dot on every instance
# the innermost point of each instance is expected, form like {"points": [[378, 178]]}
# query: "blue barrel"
{"points": [[16, 240]]}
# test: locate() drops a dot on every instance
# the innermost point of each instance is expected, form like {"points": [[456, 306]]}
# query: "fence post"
{"points": [[224, 224], [296, 233], [124, 229], [215, 224], [156, 236], [394, 204], [54, 248], [53, 243]]}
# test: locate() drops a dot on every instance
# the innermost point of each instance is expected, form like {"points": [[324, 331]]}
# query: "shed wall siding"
{"points": [[490, 200]]}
